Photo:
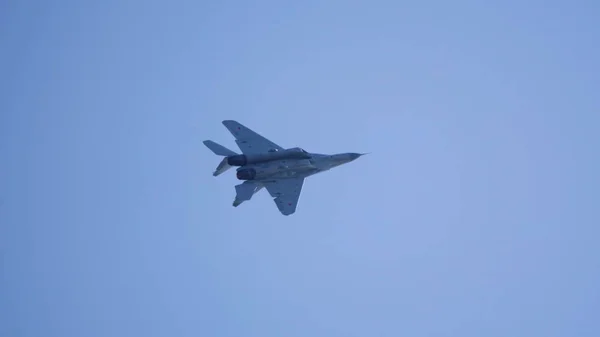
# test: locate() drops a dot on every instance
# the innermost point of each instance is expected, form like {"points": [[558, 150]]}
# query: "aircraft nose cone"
{"points": [[354, 156]]}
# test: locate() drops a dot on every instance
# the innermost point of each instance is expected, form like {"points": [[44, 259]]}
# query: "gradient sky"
{"points": [[477, 214]]}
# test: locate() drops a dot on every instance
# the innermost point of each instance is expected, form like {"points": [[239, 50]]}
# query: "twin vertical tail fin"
{"points": [[220, 150]]}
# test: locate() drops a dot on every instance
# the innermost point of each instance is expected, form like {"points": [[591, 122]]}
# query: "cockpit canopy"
{"points": [[298, 149]]}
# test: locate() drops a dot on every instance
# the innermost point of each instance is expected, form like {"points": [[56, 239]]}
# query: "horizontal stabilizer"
{"points": [[223, 166], [218, 149], [245, 191]]}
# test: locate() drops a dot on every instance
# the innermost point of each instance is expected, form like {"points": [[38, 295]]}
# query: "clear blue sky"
{"points": [[476, 215]]}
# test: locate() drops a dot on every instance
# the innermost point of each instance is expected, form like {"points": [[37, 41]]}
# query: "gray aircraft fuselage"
{"points": [[264, 164], [292, 166], [287, 164]]}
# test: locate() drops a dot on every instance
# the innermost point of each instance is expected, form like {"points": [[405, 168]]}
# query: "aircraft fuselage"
{"points": [[277, 169], [270, 156], [292, 168], [264, 164]]}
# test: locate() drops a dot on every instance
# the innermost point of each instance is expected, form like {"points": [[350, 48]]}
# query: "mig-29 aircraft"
{"points": [[266, 164]]}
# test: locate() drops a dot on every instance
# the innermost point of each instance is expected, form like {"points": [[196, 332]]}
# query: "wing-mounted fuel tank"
{"points": [[246, 159]]}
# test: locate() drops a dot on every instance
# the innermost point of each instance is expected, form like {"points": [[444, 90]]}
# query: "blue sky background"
{"points": [[476, 215]]}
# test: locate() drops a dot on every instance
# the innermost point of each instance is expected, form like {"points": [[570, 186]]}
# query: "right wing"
{"points": [[249, 141], [286, 193]]}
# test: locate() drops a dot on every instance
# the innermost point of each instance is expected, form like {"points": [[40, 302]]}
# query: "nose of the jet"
{"points": [[343, 158], [354, 155]]}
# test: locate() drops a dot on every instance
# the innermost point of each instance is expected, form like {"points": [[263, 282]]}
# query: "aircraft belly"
{"points": [[281, 174], [283, 169]]}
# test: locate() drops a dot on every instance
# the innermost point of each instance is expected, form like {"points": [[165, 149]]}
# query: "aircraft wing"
{"points": [[249, 141], [286, 193]]}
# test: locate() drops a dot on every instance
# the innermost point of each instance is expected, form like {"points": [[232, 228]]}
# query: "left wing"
{"points": [[286, 193], [249, 141]]}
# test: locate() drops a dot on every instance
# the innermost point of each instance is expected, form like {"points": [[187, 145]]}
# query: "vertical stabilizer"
{"points": [[220, 150], [223, 166]]}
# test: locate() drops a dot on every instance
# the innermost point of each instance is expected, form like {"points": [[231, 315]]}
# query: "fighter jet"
{"points": [[264, 164]]}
